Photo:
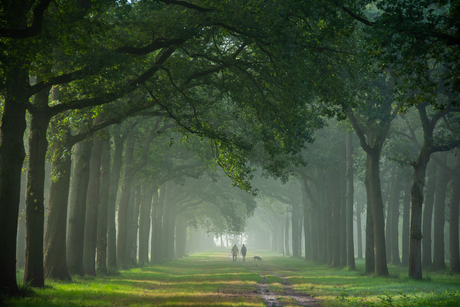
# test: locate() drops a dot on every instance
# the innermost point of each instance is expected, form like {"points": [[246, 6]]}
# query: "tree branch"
{"points": [[36, 27], [359, 132]]}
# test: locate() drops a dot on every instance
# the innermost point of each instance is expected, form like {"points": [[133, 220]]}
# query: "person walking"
{"points": [[234, 252], [243, 252]]}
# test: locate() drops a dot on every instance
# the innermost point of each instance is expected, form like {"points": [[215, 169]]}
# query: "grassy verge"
{"points": [[212, 279], [341, 287]]}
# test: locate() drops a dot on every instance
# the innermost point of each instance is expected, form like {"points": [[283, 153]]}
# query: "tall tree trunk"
{"points": [[111, 209], [144, 222], [349, 203], [369, 253], [381, 268], [295, 229], [388, 223], [394, 234], [306, 221], [101, 249], [359, 230], [55, 237], [153, 235], [35, 209], [77, 208], [343, 213], [336, 216], [12, 154], [439, 262], [286, 233], [159, 246], [133, 228], [453, 218], [92, 205], [428, 214], [21, 244], [405, 225], [123, 205]]}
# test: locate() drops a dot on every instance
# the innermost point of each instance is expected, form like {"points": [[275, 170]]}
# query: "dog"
{"points": [[257, 258]]}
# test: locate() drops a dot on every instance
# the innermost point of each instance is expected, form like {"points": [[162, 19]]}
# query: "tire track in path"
{"points": [[271, 298]]}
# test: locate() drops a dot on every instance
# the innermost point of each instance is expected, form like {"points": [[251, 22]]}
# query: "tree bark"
{"points": [[394, 233], [439, 262], [77, 208], [336, 217], [123, 205], [144, 222], [453, 218], [55, 237], [35, 209], [405, 225], [381, 268], [101, 249], [133, 227], [157, 240], [359, 230], [111, 209], [349, 203], [12, 154], [92, 205], [286, 233], [428, 215], [295, 230], [369, 253], [153, 234], [306, 219], [21, 244]]}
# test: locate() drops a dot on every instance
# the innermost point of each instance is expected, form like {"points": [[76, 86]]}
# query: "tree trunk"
{"points": [[21, 244], [286, 233], [13, 125], [77, 208], [111, 209], [359, 230], [389, 213], [369, 253], [336, 216], [133, 227], [101, 249], [439, 262], [405, 225], [35, 209], [153, 234], [55, 238], [159, 245], [381, 268], [295, 230], [92, 205], [394, 233], [428, 214], [453, 218], [144, 222], [349, 203], [123, 205]]}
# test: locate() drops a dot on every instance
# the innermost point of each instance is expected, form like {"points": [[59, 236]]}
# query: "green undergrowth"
{"points": [[343, 287], [212, 279]]}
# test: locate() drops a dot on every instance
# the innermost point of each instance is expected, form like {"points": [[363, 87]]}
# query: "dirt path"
{"points": [[271, 298]]}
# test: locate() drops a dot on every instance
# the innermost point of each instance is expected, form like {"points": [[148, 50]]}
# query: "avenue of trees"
{"points": [[135, 131]]}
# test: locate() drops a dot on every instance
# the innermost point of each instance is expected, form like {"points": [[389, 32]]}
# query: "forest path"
{"points": [[276, 296]]}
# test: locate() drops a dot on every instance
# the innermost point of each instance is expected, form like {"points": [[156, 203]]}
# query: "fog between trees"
{"points": [[137, 132]]}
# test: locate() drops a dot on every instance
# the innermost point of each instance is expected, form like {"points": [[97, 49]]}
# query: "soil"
{"points": [[271, 298]]}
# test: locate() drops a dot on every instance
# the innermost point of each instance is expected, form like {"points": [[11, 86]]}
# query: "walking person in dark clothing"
{"points": [[243, 252]]}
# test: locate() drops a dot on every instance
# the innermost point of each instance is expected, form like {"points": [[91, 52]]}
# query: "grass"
{"points": [[212, 279]]}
